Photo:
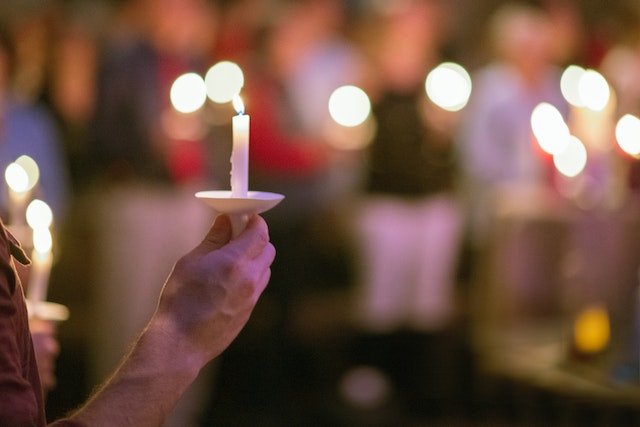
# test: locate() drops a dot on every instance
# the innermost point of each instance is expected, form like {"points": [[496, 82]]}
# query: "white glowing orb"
{"points": [[188, 93], [549, 128], [569, 84], [628, 134], [449, 86], [349, 106], [31, 167], [17, 178], [39, 214], [42, 240], [223, 81], [572, 160], [594, 90]]}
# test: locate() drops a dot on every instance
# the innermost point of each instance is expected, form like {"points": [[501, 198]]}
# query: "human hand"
{"points": [[212, 290]]}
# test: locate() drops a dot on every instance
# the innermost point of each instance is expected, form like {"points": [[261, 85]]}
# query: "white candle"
{"points": [[240, 152], [41, 259]]}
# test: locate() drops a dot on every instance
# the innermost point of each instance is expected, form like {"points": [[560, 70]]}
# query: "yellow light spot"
{"points": [[591, 329]]}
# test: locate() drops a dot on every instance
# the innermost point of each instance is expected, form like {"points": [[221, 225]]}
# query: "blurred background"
{"points": [[459, 243]]}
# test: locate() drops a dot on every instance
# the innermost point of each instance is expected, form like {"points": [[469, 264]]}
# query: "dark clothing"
{"points": [[406, 157], [22, 399], [130, 138]]}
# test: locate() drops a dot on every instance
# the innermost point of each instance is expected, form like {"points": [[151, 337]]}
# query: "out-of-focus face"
{"points": [[411, 37], [182, 25], [524, 38]]}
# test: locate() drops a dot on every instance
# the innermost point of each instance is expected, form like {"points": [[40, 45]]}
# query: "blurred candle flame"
{"points": [[238, 105]]}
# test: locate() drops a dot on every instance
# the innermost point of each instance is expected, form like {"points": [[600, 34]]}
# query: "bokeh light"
{"points": [[223, 80], [628, 134], [549, 128], [42, 240], [594, 90], [592, 330], [39, 214], [572, 159], [349, 106], [449, 86], [17, 178], [31, 167], [569, 84], [188, 93]]}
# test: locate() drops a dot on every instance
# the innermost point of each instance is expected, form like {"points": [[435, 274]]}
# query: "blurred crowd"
{"points": [[397, 238]]}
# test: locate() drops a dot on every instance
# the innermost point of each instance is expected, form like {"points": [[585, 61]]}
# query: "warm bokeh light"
{"points": [[349, 106], [592, 330], [449, 86], [39, 214], [549, 128], [572, 160], [569, 83], [628, 134], [223, 80], [42, 240], [17, 178], [188, 93], [31, 167], [594, 90]]}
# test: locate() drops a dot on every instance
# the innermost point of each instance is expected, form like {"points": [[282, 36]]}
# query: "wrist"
{"points": [[163, 335]]}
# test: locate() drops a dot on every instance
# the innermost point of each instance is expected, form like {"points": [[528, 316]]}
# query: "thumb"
{"points": [[219, 234]]}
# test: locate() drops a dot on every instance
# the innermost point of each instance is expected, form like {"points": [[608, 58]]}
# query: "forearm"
{"points": [[147, 385]]}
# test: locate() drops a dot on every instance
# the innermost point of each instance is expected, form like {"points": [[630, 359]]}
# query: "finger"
{"points": [[253, 239], [219, 234]]}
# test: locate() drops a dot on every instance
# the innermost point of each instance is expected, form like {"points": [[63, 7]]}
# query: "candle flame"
{"points": [[238, 104], [42, 241], [39, 214]]}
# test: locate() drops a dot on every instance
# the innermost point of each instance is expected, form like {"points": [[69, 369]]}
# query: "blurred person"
{"points": [[205, 302], [409, 224], [72, 83], [620, 66], [495, 142], [28, 128], [149, 159], [300, 57]]}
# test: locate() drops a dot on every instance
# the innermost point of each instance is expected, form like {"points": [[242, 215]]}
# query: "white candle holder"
{"points": [[240, 208], [47, 310]]}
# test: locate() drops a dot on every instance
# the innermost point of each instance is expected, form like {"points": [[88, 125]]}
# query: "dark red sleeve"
{"points": [[21, 403]]}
